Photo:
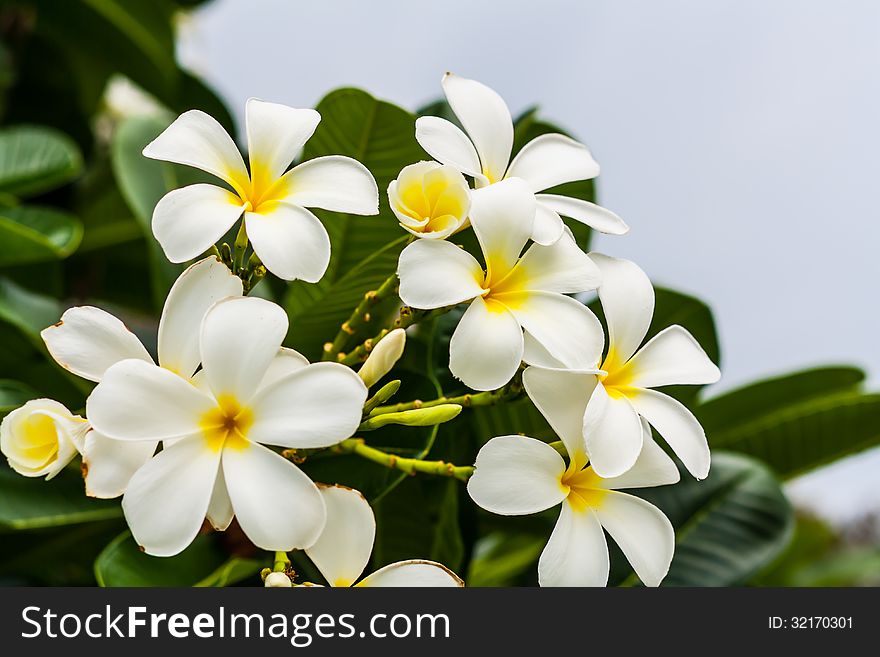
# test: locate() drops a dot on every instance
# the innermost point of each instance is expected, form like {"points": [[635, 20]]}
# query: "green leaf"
{"points": [[797, 422], [13, 394], [35, 159], [30, 503], [203, 564], [27, 311], [502, 558], [728, 526], [35, 234]]}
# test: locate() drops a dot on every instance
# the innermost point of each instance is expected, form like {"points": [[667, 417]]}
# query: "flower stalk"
{"points": [[408, 465], [509, 392], [360, 317]]}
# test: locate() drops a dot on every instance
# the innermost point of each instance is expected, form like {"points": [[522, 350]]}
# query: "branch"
{"points": [[407, 465], [511, 391], [360, 318]]}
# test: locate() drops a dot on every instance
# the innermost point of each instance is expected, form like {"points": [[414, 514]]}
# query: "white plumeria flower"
{"points": [[604, 410], [290, 240], [214, 463], [517, 475], [88, 340], [430, 200], [343, 550], [383, 357], [41, 437], [518, 305], [277, 581], [484, 153]]}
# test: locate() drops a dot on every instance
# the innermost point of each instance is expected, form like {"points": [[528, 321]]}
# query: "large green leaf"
{"points": [[29, 503], [34, 234], [35, 159], [27, 311], [728, 526], [204, 563], [796, 422]]}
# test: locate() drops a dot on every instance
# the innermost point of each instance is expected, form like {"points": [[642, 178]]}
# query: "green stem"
{"points": [[241, 244], [282, 562], [214, 251], [489, 398], [253, 274], [407, 317], [360, 318], [407, 465]]}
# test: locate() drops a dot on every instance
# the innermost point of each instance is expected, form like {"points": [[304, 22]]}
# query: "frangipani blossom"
{"points": [[604, 409], [291, 241], [518, 308], [214, 462], [343, 549], [41, 437], [484, 153], [383, 357], [517, 475], [88, 340], [430, 200]]}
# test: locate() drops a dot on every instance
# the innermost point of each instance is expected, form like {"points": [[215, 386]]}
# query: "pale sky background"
{"points": [[737, 139]]}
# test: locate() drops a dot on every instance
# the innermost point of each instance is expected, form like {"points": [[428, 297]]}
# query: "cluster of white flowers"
{"points": [[189, 436]]}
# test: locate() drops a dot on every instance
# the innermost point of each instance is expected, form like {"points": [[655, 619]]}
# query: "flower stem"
{"points": [[360, 317], [407, 317], [240, 246], [282, 562], [253, 274], [506, 393], [407, 465]]}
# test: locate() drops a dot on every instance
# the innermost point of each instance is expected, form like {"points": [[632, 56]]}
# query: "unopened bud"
{"points": [[41, 437], [278, 580], [383, 357], [417, 417]]}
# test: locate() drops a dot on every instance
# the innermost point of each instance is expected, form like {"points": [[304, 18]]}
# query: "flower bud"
{"points": [[278, 580], [430, 199], [417, 417], [41, 437], [383, 357]]}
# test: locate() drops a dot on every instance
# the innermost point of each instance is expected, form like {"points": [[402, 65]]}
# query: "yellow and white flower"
{"points": [[517, 475], [518, 308], [430, 199], [290, 240], [214, 462], [41, 437], [88, 340], [343, 550], [484, 153], [604, 410]]}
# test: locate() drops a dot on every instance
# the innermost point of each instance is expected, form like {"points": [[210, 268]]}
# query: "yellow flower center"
{"points": [[585, 489], [618, 377], [436, 198], [226, 425], [39, 439], [258, 192]]}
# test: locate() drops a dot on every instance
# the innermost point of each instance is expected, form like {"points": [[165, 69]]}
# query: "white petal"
{"points": [[275, 134], [435, 273], [316, 406], [576, 554], [561, 396], [561, 267], [628, 301], [240, 336], [643, 533], [551, 160], [517, 475], [679, 428], [564, 326], [548, 225], [671, 357], [276, 504], [187, 221], [141, 401], [286, 362], [502, 216], [195, 290], [654, 467], [487, 346], [534, 353], [290, 240], [613, 433], [88, 340], [383, 357], [167, 499], [343, 549], [197, 140], [485, 118], [110, 464], [220, 511], [446, 143], [594, 216], [41, 437], [413, 573], [335, 183]]}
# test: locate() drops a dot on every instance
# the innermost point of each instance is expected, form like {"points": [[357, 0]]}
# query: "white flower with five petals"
{"points": [[214, 462], [88, 340], [604, 410], [343, 550], [484, 153], [517, 475], [291, 242], [518, 306]]}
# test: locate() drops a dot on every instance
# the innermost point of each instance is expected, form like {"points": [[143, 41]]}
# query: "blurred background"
{"points": [[737, 138]]}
